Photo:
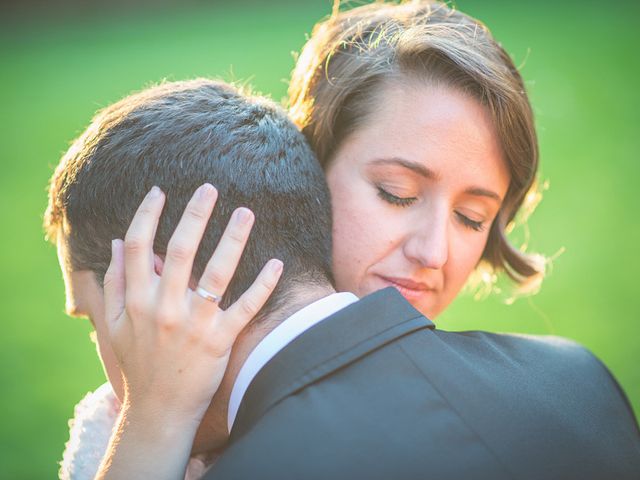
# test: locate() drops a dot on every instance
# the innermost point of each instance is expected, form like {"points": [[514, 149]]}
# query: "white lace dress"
{"points": [[89, 432]]}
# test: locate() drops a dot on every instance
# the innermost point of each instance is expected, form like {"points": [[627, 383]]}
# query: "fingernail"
{"points": [[205, 191], [275, 265], [244, 215], [154, 192]]}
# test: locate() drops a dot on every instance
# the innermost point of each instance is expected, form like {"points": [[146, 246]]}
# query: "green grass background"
{"points": [[581, 64]]}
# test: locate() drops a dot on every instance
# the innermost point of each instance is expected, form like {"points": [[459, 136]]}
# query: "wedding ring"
{"points": [[212, 297]]}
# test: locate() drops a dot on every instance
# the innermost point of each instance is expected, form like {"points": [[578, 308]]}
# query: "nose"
{"points": [[428, 244]]}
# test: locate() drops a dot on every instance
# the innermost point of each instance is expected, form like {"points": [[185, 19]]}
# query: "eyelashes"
{"points": [[392, 199], [467, 222]]}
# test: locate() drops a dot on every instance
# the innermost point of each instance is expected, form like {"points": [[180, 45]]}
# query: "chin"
{"points": [[426, 307]]}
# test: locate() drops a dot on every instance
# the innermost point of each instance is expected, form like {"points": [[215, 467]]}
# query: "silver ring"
{"points": [[212, 297]]}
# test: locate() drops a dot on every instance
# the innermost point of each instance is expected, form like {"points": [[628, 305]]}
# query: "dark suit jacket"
{"points": [[375, 392]]}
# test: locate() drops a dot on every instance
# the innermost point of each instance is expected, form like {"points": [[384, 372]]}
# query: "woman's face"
{"points": [[415, 190]]}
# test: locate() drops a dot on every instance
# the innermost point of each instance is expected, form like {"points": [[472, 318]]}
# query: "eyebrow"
{"points": [[413, 166], [431, 175]]}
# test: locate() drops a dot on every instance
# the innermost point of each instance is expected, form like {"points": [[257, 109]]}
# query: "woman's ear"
{"points": [[158, 264]]}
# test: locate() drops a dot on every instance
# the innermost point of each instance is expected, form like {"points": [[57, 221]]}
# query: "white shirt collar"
{"points": [[279, 338]]}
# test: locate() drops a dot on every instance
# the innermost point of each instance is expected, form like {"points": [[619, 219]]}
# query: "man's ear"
{"points": [[158, 267], [158, 264]]}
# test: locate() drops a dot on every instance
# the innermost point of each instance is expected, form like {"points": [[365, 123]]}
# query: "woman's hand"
{"points": [[173, 343]]}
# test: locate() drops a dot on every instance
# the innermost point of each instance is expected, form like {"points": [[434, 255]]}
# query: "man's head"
{"points": [[178, 136]]}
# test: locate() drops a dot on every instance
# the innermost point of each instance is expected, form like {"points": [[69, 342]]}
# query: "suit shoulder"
{"points": [[553, 357], [522, 346]]}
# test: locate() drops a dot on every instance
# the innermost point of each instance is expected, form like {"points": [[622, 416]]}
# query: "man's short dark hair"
{"points": [[178, 136]]}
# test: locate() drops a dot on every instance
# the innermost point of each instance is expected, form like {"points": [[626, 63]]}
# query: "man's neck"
{"points": [[216, 418], [247, 341]]}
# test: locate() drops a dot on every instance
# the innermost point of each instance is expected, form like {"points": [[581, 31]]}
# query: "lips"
{"points": [[409, 289]]}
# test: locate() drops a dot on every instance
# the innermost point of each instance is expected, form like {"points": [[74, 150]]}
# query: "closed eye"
{"points": [[478, 226], [394, 199]]}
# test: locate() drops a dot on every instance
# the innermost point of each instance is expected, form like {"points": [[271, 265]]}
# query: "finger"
{"points": [[184, 243], [224, 261], [114, 285], [237, 316], [138, 244]]}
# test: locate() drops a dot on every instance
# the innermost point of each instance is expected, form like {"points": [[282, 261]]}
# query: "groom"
{"points": [[325, 385]]}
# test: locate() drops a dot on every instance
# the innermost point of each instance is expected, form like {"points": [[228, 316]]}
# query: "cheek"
{"points": [[349, 253], [363, 236], [366, 232], [466, 252], [348, 199]]}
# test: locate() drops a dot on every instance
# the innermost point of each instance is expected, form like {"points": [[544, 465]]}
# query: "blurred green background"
{"points": [[57, 66]]}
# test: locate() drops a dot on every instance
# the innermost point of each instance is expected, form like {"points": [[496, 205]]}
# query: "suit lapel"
{"points": [[342, 338]]}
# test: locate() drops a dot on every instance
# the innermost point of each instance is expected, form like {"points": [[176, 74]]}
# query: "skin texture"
{"points": [[414, 193]]}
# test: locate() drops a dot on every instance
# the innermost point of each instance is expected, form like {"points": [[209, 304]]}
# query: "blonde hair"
{"points": [[352, 55]]}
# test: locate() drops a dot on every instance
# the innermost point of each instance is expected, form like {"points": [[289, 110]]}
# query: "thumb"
{"points": [[114, 285]]}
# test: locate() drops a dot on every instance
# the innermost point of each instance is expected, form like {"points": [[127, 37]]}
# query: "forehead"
{"points": [[445, 129]]}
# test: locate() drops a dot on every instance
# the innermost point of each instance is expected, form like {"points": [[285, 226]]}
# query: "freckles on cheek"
{"points": [[362, 231], [352, 246], [357, 234]]}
